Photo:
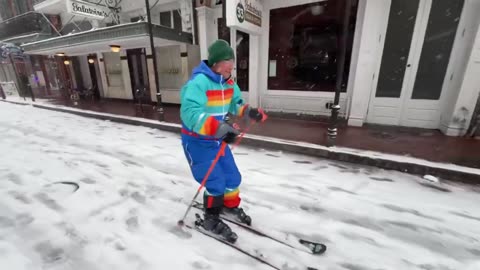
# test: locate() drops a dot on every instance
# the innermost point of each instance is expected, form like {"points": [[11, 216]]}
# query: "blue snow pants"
{"points": [[200, 155]]}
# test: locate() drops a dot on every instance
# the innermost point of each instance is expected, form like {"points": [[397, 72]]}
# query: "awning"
{"points": [[128, 36]]}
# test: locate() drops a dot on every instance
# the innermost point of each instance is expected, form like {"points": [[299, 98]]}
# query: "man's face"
{"points": [[224, 68]]}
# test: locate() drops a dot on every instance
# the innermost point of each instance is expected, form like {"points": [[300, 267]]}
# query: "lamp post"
{"points": [[332, 129], [161, 116]]}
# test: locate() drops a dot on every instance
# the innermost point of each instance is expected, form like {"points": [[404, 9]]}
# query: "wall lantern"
{"points": [[115, 48]]}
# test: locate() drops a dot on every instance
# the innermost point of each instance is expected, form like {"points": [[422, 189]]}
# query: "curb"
{"points": [[291, 146]]}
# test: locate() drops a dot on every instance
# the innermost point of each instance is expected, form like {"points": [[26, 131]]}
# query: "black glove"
{"points": [[226, 132], [256, 114]]}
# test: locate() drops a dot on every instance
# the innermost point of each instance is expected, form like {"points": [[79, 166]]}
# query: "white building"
{"points": [[91, 31], [410, 63], [413, 63]]}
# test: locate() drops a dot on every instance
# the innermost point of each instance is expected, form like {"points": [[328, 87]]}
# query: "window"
{"points": [[435, 57], [304, 46], [177, 20], [166, 19]]}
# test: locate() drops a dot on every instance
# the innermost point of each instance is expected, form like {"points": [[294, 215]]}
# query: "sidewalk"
{"points": [[425, 144], [414, 150]]}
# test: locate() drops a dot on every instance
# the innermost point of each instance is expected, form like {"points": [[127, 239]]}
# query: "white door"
{"points": [[413, 66]]}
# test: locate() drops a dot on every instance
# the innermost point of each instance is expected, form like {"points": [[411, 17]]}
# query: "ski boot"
{"points": [[212, 222], [238, 214]]}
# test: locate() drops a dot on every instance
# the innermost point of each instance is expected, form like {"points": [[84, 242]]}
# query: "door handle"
{"points": [[409, 65]]}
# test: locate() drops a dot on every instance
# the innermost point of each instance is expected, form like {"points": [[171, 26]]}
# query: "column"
{"points": [[206, 29], [103, 75], [458, 121], [371, 21], [151, 75], [127, 85]]}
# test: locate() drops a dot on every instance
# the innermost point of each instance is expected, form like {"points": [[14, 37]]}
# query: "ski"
{"points": [[306, 245], [198, 227]]}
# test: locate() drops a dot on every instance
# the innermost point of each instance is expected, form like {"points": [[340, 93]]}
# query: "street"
{"points": [[80, 193]]}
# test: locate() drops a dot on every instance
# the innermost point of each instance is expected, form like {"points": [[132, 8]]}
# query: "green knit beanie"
{"points": [[219, 50]]}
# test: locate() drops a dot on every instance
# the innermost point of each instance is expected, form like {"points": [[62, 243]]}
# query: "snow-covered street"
{"points": [[134, 184]]}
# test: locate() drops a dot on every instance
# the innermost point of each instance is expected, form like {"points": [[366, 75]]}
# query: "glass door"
{"points": [[418, 43]]}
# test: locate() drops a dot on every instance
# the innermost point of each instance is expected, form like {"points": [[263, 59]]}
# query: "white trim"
{"points": [[253, 72], [355, 122], [302, 93], [354, 59], [461, 53]]}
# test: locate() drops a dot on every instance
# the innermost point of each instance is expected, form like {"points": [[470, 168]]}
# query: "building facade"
{"points": [[101, 48], [408, 63]]}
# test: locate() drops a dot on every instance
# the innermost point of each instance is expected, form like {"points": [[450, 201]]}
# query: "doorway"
{"points": [[137, 63], [242, 61], [413, 67], [92, 61]]}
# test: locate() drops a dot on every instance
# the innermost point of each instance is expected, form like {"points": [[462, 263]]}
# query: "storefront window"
{"points": [[304, 46]]}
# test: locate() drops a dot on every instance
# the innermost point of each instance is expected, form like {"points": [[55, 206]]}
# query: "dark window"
{"points": [[304, 43], [401, 23], [177, 20], [166, 19], [441, 31]]}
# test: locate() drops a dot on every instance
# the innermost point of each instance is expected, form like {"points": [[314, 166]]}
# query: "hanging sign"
{"points": [[87, 9]]}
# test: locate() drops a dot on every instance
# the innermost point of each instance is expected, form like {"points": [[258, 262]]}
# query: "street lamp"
{"points": [[160, 111], [332, 129]]}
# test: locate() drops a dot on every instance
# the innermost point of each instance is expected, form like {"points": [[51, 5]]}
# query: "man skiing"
{"points": [[206, 100]]}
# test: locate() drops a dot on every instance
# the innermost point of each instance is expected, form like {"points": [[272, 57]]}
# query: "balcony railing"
{"points": [[130, 30], [25, 24]]}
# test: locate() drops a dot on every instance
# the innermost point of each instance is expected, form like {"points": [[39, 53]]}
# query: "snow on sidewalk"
{"points": [[134, 184], [340, 150]]}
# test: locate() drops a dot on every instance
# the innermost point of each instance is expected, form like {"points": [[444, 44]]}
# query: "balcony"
{"points": [[50, 6], [131, 35], [27, 27]]}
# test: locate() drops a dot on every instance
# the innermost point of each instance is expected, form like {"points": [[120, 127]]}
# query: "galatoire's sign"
{"points": [[87, 9], [245, 15], [252, 13]]}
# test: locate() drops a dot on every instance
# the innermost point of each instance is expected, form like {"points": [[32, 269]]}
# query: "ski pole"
{"points": [[220, 153]]}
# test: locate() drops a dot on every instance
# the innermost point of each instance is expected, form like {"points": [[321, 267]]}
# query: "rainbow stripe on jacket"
{"points": [[205, 101]]}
